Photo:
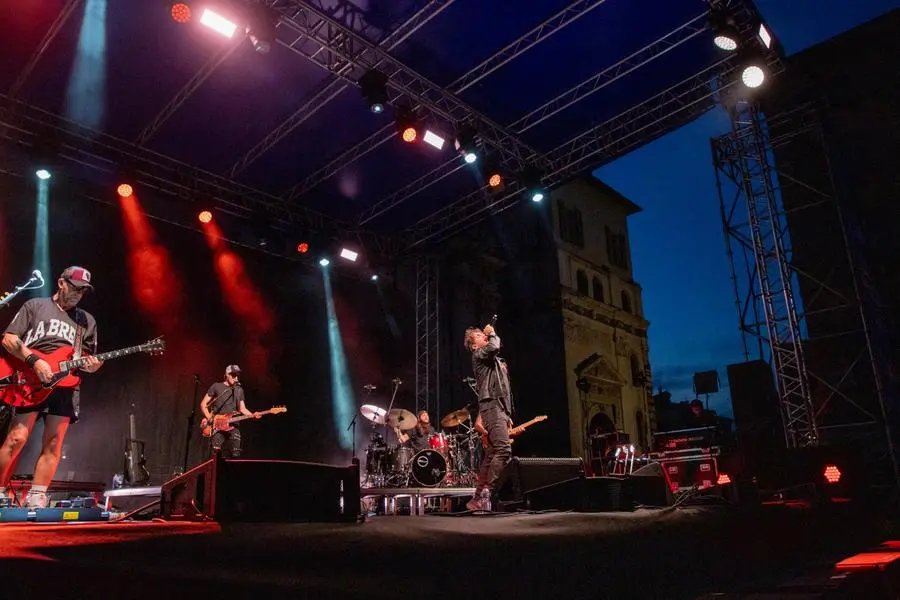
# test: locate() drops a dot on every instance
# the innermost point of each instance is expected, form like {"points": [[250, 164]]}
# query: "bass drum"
{"points": [[429, 468]]}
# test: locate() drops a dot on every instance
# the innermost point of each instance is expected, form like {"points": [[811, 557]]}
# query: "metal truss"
{"points": [[577, 93], [428, 368], [107, 154], [630, 129], [744, 158], [187, 91], [538, 34], [336, 86]]}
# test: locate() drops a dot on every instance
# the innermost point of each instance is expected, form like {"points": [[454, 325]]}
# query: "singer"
{"points": [[227, 398], [45, 325], [494, 410]]}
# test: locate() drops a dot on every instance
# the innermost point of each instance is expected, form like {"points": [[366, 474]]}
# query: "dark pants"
{"points": [[498, 451], [233, 437]]}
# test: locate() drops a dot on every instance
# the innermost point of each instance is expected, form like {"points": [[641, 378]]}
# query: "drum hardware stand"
{"points": [[36, 278], [190, 423]]}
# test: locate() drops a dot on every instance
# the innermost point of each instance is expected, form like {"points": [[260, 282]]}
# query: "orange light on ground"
{"points": [[495, 180], [302, 247], [205, 216], [124, 190], [409, 135], [723, 479], [832, 474], [181, 12]]}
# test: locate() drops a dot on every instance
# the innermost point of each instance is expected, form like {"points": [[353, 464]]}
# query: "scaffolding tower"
{"points": [[427, 335], [828, 368]]}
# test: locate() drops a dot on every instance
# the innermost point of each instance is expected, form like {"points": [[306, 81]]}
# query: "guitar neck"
{"points": [[77, 363], [529, 423], [242, 417]]}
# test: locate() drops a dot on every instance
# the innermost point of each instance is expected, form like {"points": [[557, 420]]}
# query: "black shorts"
{"points": [[62, 402]]}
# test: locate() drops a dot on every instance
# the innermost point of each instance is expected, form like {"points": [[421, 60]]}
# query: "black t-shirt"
{"points": [[45, 327], [418, 440], [225, 398]]}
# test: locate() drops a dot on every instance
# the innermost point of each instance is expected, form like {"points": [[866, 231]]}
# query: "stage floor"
{"points": [[670, 553]]}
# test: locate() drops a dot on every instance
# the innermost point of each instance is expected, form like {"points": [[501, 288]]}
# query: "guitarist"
{"points": [[227, 397], [45, 325], [494, 410]]}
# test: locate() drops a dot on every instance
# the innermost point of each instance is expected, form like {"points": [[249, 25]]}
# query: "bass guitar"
{"points": [[223, 422], [20, 386], [514, 431]]}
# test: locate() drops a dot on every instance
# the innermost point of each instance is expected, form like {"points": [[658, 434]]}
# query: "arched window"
{"points": [[598, 289], [581, 282], [637, 373], [626, 301]]}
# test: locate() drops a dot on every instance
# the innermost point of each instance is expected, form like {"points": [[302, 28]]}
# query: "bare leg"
{"points": [[19, 429], [55, 428]]}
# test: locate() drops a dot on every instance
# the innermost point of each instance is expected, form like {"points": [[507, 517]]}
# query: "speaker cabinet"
{"points": [[229, 490], [649, 486], [582, 494], [522, 475], [757, 417]]}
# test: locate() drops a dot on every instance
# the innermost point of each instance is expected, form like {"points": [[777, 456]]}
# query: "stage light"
{"points": [[407, 125], [531, 181], [218, 23], [349, 254], [495, 179], [753, 76], [373, 87], [324, 262], [466, 144], [832, 474], [764, 36], [181, 12], [205, 216], [434, 139], [374, 277], [42, 174], [302, 247], [725, 34], [723, 479], [261, 28], [124, 190]]}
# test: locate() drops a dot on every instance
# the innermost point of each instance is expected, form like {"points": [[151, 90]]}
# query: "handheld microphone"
{"points": [[493, 320], [396, 381], [36, 274]]}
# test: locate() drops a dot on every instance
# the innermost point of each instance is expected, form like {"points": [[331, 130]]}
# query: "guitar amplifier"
{"points": [[522, 475], [687, 472]]}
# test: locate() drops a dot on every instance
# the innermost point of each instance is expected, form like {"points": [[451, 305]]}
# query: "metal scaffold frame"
{"points": [[744, 158], [428, 369], [839, 294]]}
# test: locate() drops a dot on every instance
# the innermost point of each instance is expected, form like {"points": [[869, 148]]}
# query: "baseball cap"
{"points": [[78, 277], [232, 370]]}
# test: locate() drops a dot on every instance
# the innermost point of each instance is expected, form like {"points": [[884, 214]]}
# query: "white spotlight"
{"points": [[218, 23], [374, 277], [725, 42], [434, 139], [753, 76], [470, 157], [537, 196], [349, 254], [42, 174], [324, 262], [764, 36]]}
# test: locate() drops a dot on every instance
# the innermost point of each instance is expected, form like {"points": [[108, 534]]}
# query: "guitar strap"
{"points": [[80, 325]]}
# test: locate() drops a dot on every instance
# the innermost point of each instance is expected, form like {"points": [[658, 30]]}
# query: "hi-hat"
{"points": [[373, 413], [401, 418], [457, 417]]}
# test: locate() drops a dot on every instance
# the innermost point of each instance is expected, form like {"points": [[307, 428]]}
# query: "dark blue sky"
{"points": [[677, 242]]}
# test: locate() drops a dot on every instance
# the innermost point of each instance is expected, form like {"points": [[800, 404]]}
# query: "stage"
{"points": [[669, 553]]}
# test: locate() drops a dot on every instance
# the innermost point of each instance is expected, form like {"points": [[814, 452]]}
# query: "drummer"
{"points": [[417, 436]]}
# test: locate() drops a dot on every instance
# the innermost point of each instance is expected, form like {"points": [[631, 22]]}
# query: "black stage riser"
{"points": [[228, 490]]}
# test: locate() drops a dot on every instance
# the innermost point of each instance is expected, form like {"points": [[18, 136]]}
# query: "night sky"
{"points": [[677, 241]]}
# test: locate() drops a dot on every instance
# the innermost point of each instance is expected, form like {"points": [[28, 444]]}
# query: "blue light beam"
{"points": [[341, 396], [41, 254], [86, 92]]}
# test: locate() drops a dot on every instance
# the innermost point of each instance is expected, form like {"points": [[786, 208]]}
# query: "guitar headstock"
{"points": [[541, 418], [277, 409], [154, 347]]}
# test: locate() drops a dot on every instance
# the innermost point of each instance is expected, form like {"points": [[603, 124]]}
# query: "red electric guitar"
{"points": [[19, 386]]}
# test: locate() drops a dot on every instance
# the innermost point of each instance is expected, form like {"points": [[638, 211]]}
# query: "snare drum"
{"points": [[440, 443], [429, 468]]}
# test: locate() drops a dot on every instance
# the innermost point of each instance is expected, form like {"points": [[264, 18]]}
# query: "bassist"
{"points": [[226, 398], [45, 325]]}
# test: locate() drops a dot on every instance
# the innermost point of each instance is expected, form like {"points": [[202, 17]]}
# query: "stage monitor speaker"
{"points": [[757, 418], [706, 382], [227, 490], [581, 494], [649, 486], [522, 475]]}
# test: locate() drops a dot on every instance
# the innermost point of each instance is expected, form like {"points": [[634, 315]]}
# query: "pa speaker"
{"points": [[522, 475], [649, 486], [227, 490], [581, 494]]}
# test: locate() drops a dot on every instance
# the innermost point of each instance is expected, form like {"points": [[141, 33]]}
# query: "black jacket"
{"points": [[491, 378]]}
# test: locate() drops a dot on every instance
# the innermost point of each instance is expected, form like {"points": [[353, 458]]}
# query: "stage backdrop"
{"points": [[271, 321]]}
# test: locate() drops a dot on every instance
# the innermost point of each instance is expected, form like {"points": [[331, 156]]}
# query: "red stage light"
{"points": [[302, 247], [409, 135], [181, 12], [724, 479], [205, 216], [832, 474], [125, 190], [495, 180]]}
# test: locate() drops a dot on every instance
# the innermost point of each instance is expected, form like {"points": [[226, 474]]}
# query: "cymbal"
{"points": [[402, 418], [457, 417], [373, 413]]}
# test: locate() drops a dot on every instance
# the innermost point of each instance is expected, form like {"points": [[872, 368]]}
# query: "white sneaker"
{"points": [[36, 500]]}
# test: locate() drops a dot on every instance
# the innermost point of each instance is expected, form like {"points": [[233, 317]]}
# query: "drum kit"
{"points": [[449, 458]]}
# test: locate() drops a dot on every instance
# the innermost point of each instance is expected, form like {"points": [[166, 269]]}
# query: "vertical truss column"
{"points": [[744, 156], [427, 338]]}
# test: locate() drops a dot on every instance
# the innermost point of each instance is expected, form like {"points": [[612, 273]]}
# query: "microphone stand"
{"points": [[396, 383], [8, 297], [190, 421]]}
